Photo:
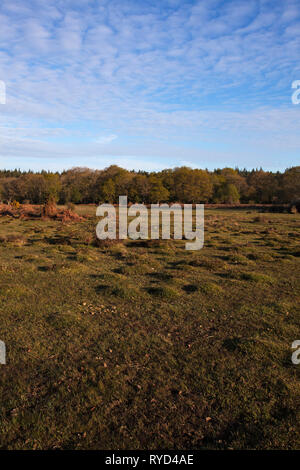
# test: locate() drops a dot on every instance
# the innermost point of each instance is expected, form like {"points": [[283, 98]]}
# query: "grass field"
{"points": [[146, 345]]}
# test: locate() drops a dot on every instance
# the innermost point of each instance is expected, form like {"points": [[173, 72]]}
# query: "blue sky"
{"points": [[149, 84]]}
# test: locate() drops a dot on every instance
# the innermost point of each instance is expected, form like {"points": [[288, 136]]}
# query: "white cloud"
{"points": [[209, 71], [106, 139]]}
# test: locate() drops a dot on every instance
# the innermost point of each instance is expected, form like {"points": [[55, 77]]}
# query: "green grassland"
{"points": [[144, 345]]}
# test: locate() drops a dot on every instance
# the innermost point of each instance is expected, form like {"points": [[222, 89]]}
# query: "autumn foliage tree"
{"points": [[184, 184]]}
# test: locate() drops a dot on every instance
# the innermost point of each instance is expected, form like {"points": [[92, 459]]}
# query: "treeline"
{"points": [[186, 185]]}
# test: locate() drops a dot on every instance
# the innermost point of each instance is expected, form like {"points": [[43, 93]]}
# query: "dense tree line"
{"points": [[186, 185]]}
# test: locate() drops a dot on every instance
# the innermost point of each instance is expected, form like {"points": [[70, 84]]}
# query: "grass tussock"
{"points": [[257, 277], [15, 239], [163, 292], [210, 288]]}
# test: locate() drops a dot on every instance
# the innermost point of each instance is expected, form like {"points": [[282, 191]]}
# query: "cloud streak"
{"points": [[166, 75]]}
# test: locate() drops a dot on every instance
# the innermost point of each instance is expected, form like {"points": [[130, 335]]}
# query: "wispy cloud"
{"points": [[105, 139], [166, 77]]}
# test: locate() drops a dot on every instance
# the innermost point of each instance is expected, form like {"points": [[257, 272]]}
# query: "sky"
{"points": [[149, 84]]}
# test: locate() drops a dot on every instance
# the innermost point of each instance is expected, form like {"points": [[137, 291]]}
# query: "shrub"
{"points": [[293, 209], [71, 206], [15, 204], [49, 209]]}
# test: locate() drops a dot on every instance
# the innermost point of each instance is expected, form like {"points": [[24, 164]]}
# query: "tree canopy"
{"points": [[185, 185]]}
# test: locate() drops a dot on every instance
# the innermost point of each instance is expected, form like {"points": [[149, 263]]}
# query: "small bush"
{"points": [[294, 207], [49, 209], [71, 206], [15, 205]]}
